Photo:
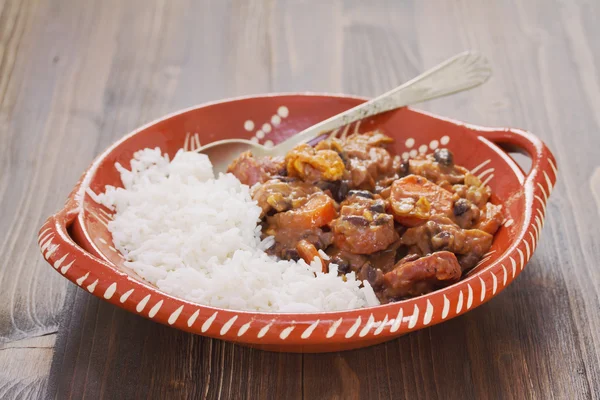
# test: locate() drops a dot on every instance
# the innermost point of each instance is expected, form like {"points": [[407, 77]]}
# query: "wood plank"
{"points": [[31, 295], [25, 366]]}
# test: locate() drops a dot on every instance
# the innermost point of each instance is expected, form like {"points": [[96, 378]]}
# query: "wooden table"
{"points": [[77, 75]]}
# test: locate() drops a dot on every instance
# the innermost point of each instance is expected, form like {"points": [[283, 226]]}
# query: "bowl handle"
{"points": [[66, 256], [543, 173]]}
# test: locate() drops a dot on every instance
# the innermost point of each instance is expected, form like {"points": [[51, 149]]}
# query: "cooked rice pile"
{"points": [[198, 238]]}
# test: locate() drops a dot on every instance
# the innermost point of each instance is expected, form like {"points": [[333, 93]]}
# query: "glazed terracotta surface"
{"points": [[77, 243]]}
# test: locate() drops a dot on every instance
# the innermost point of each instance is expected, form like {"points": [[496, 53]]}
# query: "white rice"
{"points": [[198, 238]]}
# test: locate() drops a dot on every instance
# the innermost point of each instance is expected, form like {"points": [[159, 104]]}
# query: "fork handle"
{"points": [[461, 72]]}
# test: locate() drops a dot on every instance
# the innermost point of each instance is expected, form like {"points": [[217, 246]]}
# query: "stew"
{"points": [[408, 227]]}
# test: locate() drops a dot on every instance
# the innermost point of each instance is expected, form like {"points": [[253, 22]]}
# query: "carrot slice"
{"points": [[308, 252], [318, 211]]}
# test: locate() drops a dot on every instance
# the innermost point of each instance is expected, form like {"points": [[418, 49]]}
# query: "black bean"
{"points": [[343, 156], [378, 206], [444, 157], [442, 240], [361, 193], [371, 274], [461, 206], [356, 220], [374, 276], [338, 189], [342, 191], [290, 254], [271, 212], [343, 265], [403, 170], [382, 220]]}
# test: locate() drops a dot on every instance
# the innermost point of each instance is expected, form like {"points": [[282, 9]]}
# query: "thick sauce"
{"points": [[407, 227]]}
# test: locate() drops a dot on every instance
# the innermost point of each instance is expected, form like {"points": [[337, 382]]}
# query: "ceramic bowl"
{"points": [[78, 245]]}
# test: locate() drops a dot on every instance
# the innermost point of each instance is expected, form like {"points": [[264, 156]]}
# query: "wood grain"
{"points": [[31, 296], [77, 75], [25, 365]]}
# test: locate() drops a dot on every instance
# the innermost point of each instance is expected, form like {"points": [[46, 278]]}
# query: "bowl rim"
{"points": [[542, 161]]}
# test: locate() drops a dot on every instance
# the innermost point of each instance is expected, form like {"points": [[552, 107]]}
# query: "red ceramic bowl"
{"points": [[76, 242]]}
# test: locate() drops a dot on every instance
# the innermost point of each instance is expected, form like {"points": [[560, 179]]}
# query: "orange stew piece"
{"points": [[318, 211], [421, 276], [414, 199]]}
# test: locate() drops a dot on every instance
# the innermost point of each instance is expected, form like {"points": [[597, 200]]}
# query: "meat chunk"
{"points": [[383, 260], [421, 276], [438, 167], [386, 259], [345, 260], [370, 273], [368, 163], [250, 170], [365, 172], [442, 234], [473, 190], [414, 199], [400, 170], [314, 165], [491, 218], [466, 214], [282, 195], [363, 227], [359, 145]]}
